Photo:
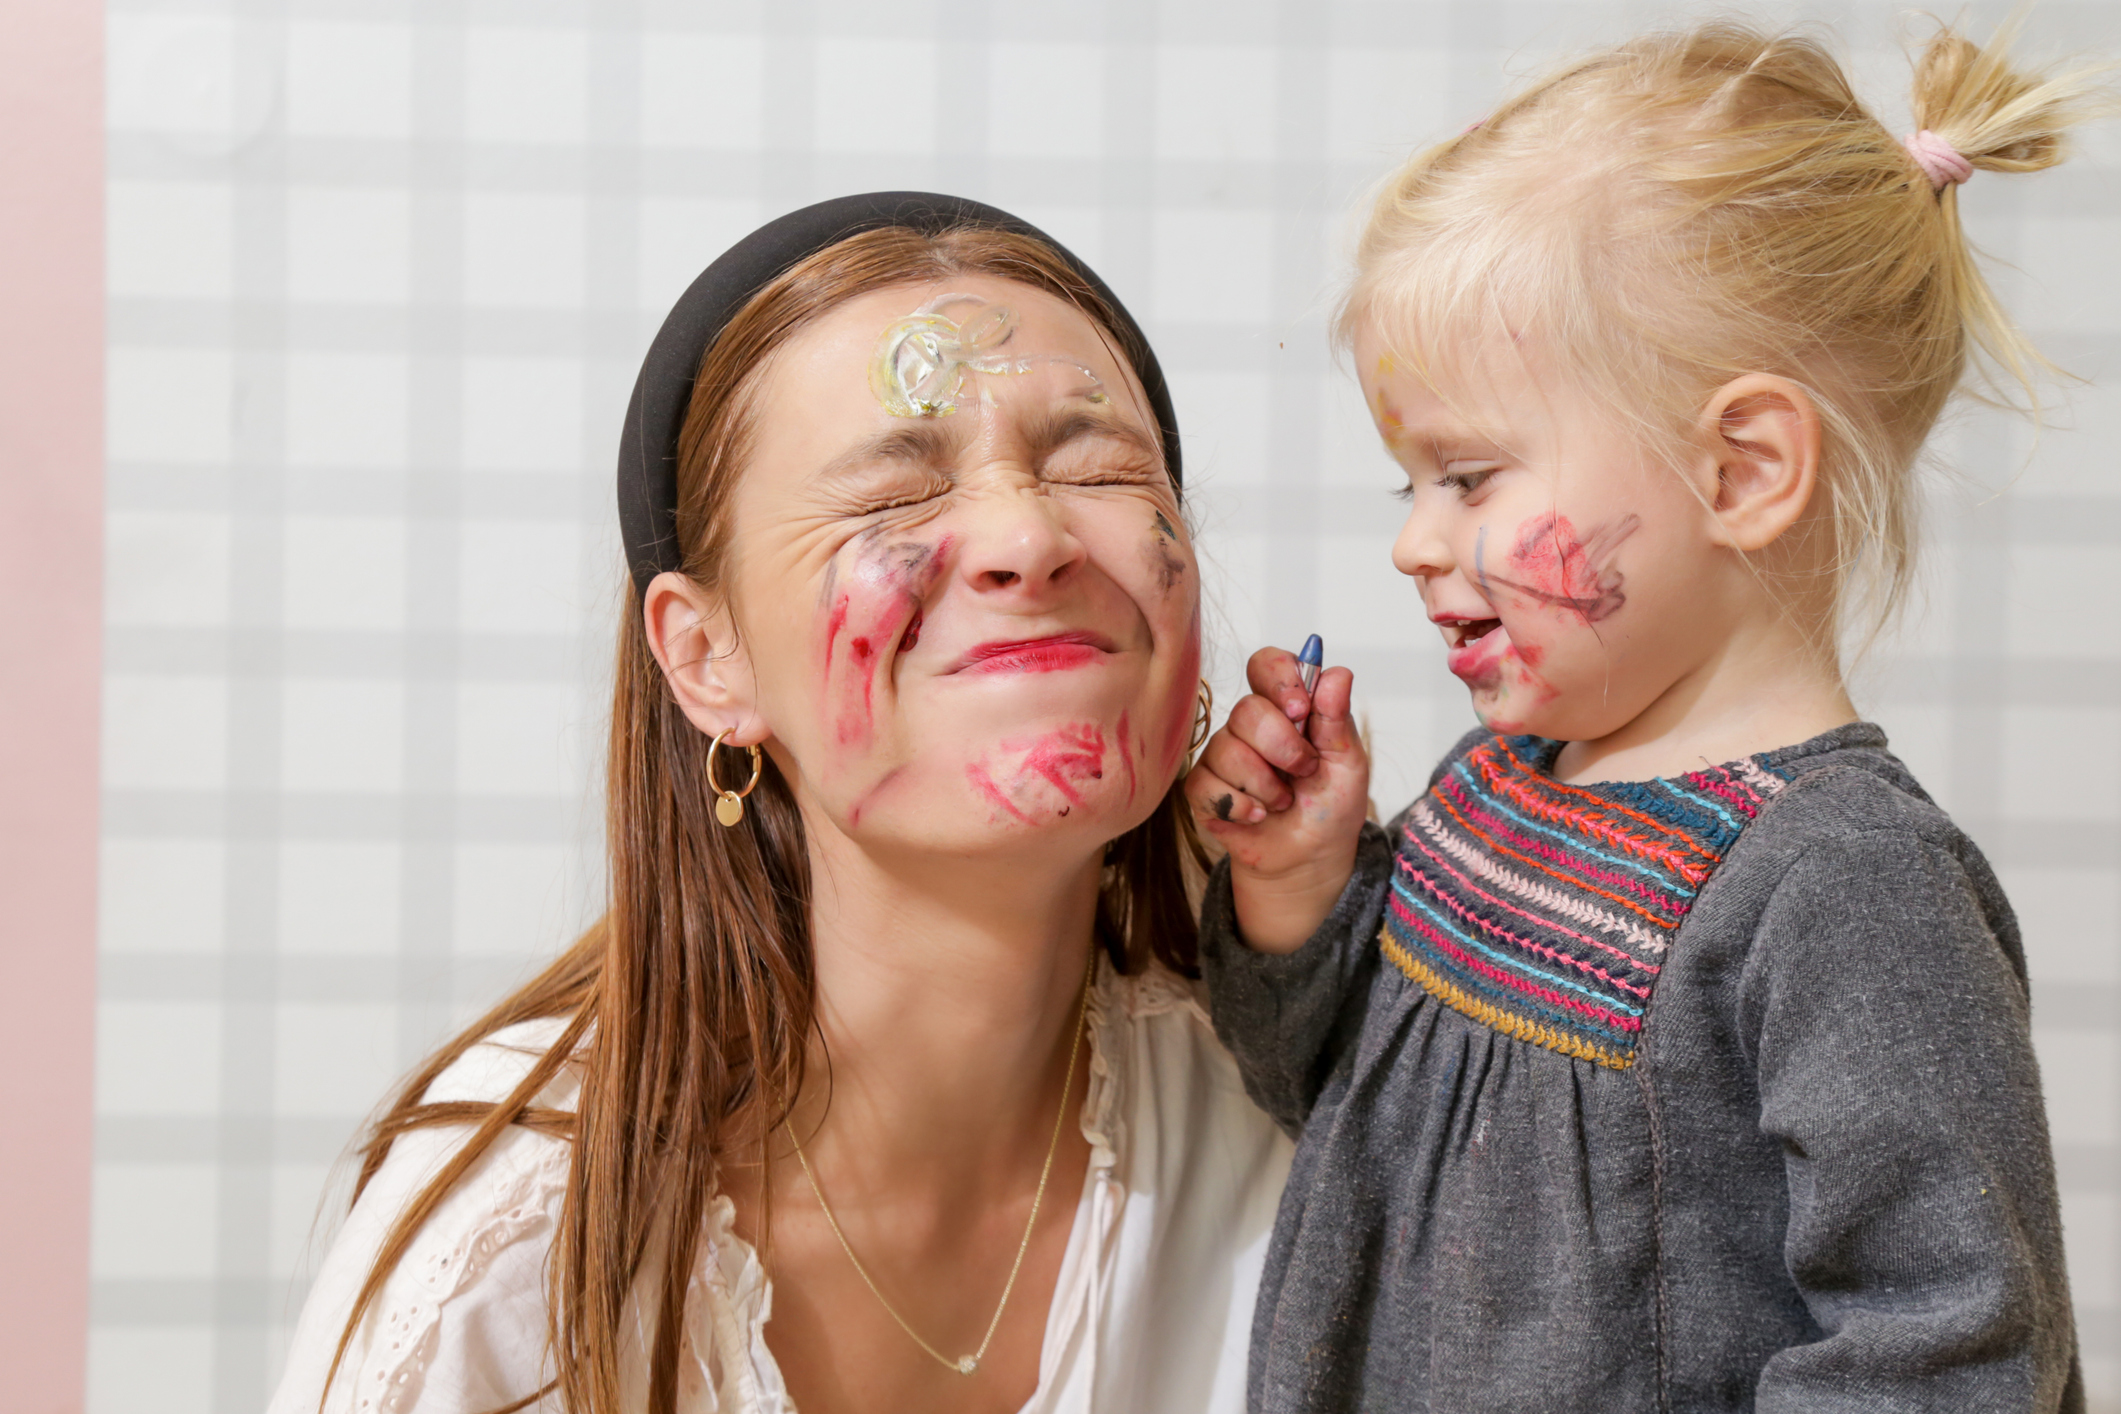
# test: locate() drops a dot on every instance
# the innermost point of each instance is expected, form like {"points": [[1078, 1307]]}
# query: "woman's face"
{"points": [[961, 587]]}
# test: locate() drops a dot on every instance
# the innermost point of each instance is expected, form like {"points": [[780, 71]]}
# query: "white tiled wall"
{"points": [[380, 273]]}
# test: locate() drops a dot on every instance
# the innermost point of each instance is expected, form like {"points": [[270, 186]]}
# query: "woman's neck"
{"points": [[945, 1007]]}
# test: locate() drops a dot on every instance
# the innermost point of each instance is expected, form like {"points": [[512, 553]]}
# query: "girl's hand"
{"points": [[1285, 788]]}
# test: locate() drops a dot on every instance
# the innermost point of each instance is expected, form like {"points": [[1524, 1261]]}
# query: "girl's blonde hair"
{"points": [[1661, 217]]}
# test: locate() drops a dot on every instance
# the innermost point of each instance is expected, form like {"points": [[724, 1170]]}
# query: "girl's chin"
{"points": [[1506, 712]]}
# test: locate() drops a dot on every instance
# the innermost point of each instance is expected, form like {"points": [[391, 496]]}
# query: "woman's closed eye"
{"points": [[1101, 461], [883, 495]]}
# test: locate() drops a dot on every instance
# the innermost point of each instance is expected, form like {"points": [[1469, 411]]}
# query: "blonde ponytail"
{"points": [[1660, 217], [1998, 119]]}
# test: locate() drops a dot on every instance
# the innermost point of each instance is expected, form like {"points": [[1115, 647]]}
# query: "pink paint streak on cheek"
{"points": [[894, 579], [1553, 566]]}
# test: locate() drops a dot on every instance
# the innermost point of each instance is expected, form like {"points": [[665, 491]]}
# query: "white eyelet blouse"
{"points": [[1152, 1310]]}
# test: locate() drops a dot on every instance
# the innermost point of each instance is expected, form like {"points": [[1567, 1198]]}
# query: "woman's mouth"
{"points": [[1052, 654]]}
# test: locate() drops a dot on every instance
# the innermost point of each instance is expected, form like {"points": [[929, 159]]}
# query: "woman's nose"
{"points": [[1018, 540], [1422, 549]]}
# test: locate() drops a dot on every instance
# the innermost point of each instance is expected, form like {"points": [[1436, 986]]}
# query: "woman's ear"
{"points": [[696, 644], [1764, 436]]}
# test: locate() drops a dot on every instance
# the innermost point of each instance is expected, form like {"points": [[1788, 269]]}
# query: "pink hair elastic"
{"points": [[1938, 159]]}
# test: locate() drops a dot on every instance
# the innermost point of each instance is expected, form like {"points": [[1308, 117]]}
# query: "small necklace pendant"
{"points": [[966, 1364]]}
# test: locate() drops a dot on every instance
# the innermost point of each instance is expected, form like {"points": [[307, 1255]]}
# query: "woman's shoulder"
{"points": [[491, 1068], [458, 1322]]}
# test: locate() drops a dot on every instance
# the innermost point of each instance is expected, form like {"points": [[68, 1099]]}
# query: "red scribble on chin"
{"points": [[984, 784], [1552, 565], [1067, 756], [1126, 755]]}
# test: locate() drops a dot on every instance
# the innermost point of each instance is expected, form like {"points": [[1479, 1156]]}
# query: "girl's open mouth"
{"points": [[1458, 635]]}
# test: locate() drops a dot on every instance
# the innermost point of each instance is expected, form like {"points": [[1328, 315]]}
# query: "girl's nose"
{"points": [[1421, 549], [1016, 540]]}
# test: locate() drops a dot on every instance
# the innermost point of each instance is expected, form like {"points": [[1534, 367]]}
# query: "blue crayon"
{"points": [[1310, 661]]}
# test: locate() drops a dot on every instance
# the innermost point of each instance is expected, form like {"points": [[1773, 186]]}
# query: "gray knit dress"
{"points": [[1707, 1093]]}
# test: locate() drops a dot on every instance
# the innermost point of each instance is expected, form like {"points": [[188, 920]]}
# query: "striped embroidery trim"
{"points": [[1515, 784], [1560, 901], [1508, 1023], [1543, 910], [1511, 972], [1436, 891], [1580, 880]]}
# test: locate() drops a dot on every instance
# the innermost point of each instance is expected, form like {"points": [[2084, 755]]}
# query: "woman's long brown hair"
{"points": [[688, 1003]]}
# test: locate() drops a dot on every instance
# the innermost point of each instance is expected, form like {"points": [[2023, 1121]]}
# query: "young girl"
{"points": [[1671, 1052]]}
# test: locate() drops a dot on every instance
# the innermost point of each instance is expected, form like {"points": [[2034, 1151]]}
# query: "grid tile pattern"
{"points": [[379, 277]]}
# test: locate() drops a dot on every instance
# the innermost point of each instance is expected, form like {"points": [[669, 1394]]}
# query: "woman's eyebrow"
{"points": [[925, 444], [1049, 432]]}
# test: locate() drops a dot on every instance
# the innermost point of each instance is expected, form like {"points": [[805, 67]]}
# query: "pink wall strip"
{"points": [[51, 591]]}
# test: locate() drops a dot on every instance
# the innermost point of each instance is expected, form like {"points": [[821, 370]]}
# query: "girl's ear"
{"points": [[1764, 435], [696, 644]]}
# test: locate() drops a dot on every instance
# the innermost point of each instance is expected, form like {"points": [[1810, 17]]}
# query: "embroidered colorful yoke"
{"points": [[1544, 910]]}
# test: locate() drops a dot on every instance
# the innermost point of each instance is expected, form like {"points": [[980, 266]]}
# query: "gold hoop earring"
{"points": [[1204, 719], [729, 809]]}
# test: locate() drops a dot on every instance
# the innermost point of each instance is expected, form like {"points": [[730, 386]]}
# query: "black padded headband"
{"points": [[648, 449]]}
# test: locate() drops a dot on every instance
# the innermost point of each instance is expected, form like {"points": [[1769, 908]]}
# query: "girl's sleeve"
{"points": [[1286, 1017], [1886, 1005]]}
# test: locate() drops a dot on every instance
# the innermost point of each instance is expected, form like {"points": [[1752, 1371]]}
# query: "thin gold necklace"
{"points": [[966, 1364]]}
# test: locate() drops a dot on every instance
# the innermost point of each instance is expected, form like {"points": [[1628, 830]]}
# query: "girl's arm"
{"points": [[1283, 1015], [1886, 1004]]}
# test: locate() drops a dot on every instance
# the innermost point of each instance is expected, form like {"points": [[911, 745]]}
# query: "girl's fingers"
{"points": [[1267, 730], [1217, 802], [1234, 762], [1332, 726], [1272, 674]]}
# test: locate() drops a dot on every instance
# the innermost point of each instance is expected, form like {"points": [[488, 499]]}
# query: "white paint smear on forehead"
{"points": [[928, 361]]}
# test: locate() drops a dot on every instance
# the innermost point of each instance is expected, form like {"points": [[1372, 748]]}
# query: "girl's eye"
{"points": [[1464, 479]]}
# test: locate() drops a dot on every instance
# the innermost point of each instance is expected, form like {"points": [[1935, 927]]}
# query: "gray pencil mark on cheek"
{"points": [[1164, 559]]}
